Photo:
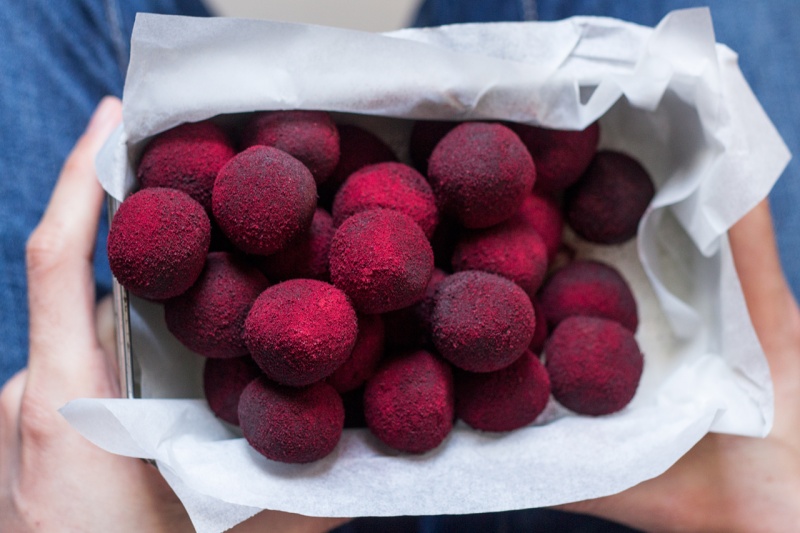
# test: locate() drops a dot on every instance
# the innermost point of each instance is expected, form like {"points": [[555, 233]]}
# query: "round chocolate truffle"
{"points": [[543, 214], [388, 186], [310, 136], [408, 403], [382, 260], [263, 199], [223, 383], [608, 201], [157, 243], [594, 365], [291, 425], [188, 158], [481, 173], [306, 256], [561, 156], [504, 400], [481, 322], [300, 331], [364, 358], [209, 317], [588, 288]]}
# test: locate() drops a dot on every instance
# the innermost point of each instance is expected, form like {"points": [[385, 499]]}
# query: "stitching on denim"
{"points": [[117, 36]]}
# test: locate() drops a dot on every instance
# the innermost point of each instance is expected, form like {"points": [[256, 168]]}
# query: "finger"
{"points": [[64, 356], [10, 401]]}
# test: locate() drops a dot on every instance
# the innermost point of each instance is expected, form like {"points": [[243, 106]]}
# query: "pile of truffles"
{"points": [[329, 285]]}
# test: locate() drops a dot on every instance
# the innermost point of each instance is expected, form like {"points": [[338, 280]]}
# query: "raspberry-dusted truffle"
{"points": [[263, 199], [541, 332], [410, 327], [425, 135], [589, 288], [291, 425], [607, 202], [364, 358], [561, 156], [310, 136], [300, 331], [188, 158], [543, 214], [382, 260], [388, 186], [157, 243], [306, 256], [481, 322], [504, 400], [408, 403], [512, 250], [223, 383], [594, 364], [209, 317], [481, 173]]}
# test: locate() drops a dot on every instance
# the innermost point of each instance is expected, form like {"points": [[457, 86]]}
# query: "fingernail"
{"points": [[103, 114]]}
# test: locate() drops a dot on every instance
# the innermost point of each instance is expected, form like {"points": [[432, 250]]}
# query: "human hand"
{"points": [[728, 483], [51, 478]]}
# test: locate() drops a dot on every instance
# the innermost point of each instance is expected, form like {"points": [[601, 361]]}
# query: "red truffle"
{"points": [[188, 158], [382, 260], [425, 135], [481, 322], [157, 243], [209, 317], [306, 256], [514, 251], [607, 202], [561, 156], [223, 383], [481, 173], [310, 136], [291, 425], [408, 403], [263, 199], [543, 214], [504, 400], [364, 358], [589, 288], [388, 186], [594, 365], [541, 332], [300, 331]]}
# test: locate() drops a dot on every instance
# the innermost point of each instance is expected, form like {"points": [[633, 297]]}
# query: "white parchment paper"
{"points": [[669, 96]]}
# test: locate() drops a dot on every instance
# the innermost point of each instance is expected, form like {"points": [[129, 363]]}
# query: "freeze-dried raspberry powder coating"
{"points": [[408, 403], [589, 288], [543, 214], [608, 201], [481, 322], [594, 365], [306, 256], [481, 173], [223, 383], [300, 331], [364, 358], [157, 243], [382, 260], [188, 158], [388, 186], [504, 400], [291, 425], [209, 317], [310, 136], [263, 199]]}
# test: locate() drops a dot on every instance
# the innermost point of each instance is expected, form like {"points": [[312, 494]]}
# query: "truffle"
{"points": [[309, 136], [263, 199], [594, 365], [481, 173], [481, 322], [157, 243], [543, 214], [408, 403], [364, 357], [504, 400], [300, 331], [306, 256], [291, 425], [561, 156], [223, 383], [209, 317], [388, 186], [188, 158], [425, 135], [588, 288], [607, 202], [381, 259]]}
